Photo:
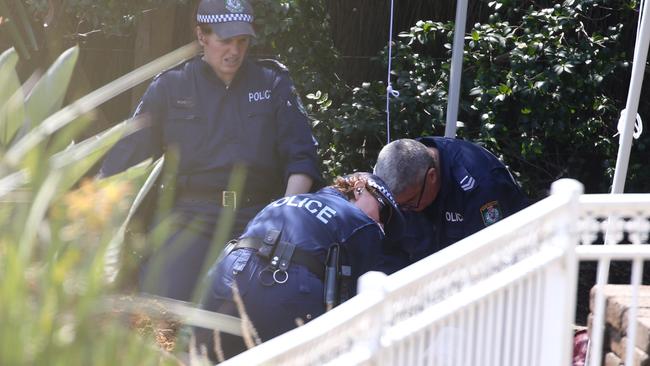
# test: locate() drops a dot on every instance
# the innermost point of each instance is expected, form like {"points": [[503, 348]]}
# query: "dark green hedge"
{"points": [[541, 87]]}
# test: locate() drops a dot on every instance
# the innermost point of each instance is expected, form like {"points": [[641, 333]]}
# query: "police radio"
{"points": [[338, 286], [331, 273]]}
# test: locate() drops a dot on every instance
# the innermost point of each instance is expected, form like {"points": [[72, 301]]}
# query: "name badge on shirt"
{"points": [[184, 103], [259, 95], [453, 217]]}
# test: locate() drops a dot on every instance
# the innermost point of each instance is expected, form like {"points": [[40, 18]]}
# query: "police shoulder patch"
{"points": [[491, 213]]}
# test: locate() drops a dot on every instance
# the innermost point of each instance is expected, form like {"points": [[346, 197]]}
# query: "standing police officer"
{"points": [[450, 189], [279, 262], [219, 110]]}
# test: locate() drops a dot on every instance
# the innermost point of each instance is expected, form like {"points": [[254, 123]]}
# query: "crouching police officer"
{"points": [[219, 110], [300, 256], [448, 188]]}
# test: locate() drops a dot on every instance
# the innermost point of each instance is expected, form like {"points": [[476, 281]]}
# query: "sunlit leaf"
{"points": [[135, 175], [39, 207], [47, 95], [8, 77], [12, 182], [76, 160], [11, 98], [12, 115]]}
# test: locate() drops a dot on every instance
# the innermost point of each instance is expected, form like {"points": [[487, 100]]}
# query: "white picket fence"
{"points": [[504, 296]]}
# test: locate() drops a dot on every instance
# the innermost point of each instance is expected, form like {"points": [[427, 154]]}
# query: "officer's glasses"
{"points": [[409, 206]]}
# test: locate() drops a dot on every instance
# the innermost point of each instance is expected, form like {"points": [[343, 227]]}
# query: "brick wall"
{"points": [[617, 304]]}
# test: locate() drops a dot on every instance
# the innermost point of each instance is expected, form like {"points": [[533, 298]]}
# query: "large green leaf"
{"points": [[65, 170], [8, 77], [12, 182], [12, 115], [42, 200], [47, 95], [11, 98], [144, 170], [77, 159]]}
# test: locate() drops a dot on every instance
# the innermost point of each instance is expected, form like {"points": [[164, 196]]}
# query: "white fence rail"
{"points": [[504, 296]]}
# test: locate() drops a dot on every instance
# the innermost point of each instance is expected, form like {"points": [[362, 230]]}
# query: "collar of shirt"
{"points": [[207, 71]]}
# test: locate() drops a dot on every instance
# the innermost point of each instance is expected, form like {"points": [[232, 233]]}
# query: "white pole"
{"points": [[456, 68], [632, 105]]}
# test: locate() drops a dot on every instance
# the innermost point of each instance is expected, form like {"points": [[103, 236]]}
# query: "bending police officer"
{"points": [[219, 110], [346, 220], [448, 188]]}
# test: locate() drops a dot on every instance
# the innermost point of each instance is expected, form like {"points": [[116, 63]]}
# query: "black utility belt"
{"points": [[284, 254], [228, 199], [336, 276]]}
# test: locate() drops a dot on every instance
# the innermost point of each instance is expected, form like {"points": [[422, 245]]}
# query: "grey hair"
{"points": [[402, 164]]}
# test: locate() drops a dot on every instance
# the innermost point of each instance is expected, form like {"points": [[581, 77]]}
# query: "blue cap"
{"points": [[227, 18], [392, 218]]}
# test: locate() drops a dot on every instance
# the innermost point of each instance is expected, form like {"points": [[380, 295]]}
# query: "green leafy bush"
{"points": [[540, 88], [58, 234]]}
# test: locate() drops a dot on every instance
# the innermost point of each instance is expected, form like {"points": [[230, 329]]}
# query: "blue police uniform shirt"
{"points": [[313, 222], [476, 191], [257, 121]]}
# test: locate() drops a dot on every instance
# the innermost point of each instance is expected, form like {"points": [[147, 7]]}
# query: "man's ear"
{"points": [[199, 35], [433, 175]]}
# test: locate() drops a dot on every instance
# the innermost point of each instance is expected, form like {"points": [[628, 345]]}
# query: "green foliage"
{"points": [[537, 89], [540, 94], [111, 16], [12, 111], [54, 240], [288, 31], [46, 97], [355, 130]]}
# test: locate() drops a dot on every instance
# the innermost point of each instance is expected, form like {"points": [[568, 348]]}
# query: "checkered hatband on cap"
{"points": [[383, 190], [224, 18]]}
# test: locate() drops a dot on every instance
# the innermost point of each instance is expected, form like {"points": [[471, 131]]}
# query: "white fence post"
{"points": [[560, 278], [374, 281], [371, 281]]}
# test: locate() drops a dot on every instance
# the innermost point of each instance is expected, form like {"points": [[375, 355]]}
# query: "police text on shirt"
{"points": [[315, 207], [259, 95]]}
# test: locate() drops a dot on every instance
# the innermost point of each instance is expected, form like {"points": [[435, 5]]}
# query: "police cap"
{"points": [[390, 215], [227, 18]]}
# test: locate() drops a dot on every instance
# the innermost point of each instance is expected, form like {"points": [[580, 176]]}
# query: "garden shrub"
{"points": [[541, 88]]}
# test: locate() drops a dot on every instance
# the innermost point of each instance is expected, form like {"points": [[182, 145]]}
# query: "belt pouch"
{"points": [[282, 256], [268, 244], [331, 283]]}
